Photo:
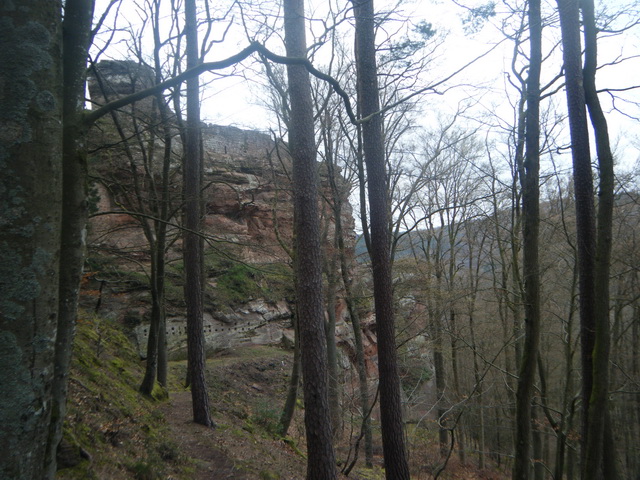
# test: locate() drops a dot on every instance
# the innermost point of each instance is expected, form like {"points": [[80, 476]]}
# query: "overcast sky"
{"points": [[236, 100]]}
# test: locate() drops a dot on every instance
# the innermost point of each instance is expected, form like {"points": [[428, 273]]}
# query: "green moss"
{"points": [[269, 475], [238, 284], [123, 431], [159, 393], [375, 473], [173, 292], [267, 417], [143, 470], [241, 432], [294, 446], [120, 279]]}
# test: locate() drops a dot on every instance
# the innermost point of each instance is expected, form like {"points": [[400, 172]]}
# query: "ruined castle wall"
{"points": [[234, 142]]}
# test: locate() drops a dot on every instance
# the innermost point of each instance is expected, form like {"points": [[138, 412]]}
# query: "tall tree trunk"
{"points": [[585, 212], [164, 208], [332, 347], [437, 316], [156, 343], [635, 369], [600, 354], [437, 335], [440, 380], [395, 454], [460, 437], [31, 149], [192, 247], [321, 463], [292, 392], [473, 278], [156, 367], [78, 15], [566, 421], [163, 355], [610, 468], [537, 447], [161, 241], [345, 271], [529, 178], [477, 375], [151, 368]]}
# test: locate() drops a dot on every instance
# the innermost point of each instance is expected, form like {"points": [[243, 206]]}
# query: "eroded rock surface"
{"points": [[248, 222]]}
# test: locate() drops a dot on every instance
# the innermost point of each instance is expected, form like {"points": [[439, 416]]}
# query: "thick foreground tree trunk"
{"points": [[30, 217], [598, 405]]}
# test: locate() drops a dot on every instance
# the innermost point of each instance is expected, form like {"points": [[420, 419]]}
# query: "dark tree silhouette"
{"points": [[76, 38], [530, 181]]}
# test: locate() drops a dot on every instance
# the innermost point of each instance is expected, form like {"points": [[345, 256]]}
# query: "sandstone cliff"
{"points": [[247, 223]]}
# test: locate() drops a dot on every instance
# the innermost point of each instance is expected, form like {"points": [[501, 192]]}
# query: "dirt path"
{"points": [[198, 442]]}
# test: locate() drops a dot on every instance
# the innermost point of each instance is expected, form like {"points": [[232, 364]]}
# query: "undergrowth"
{"points": [[111, 430]]}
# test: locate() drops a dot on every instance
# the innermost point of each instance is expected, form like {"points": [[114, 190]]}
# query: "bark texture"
{"points": [[583, 185], [596, 423], [395, 454], [321, 463], [530, 181], [30, 216], [292, 391], [76, 41], [192, 245]]}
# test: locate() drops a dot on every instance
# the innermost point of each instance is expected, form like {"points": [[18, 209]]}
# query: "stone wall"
{"points": [[256, 323], [235, 143]]}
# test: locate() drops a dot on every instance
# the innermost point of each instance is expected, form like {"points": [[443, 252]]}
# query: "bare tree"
{"points": [[530, 180], [138, 168], [192, 246], [396, 461], [77, 36], [308, 263]]}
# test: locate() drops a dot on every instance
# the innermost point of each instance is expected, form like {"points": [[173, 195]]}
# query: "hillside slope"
{"points": [[114, 433]]}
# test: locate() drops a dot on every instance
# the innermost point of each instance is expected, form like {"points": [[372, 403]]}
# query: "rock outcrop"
{"points": [[248, 224]]}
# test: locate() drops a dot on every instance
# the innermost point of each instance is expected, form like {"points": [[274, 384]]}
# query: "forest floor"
{"points": [[247, 388], [112, 432]]}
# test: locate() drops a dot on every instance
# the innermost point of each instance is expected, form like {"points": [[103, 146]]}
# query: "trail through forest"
{"points": [[245, 388], [201, 443]]}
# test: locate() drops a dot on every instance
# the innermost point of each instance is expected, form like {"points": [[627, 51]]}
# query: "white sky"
{"points": [[234, 100]]}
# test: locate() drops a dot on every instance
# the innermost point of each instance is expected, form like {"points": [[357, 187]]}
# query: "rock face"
{"points": [[248, 201], [248, 224], [255, 323]]}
